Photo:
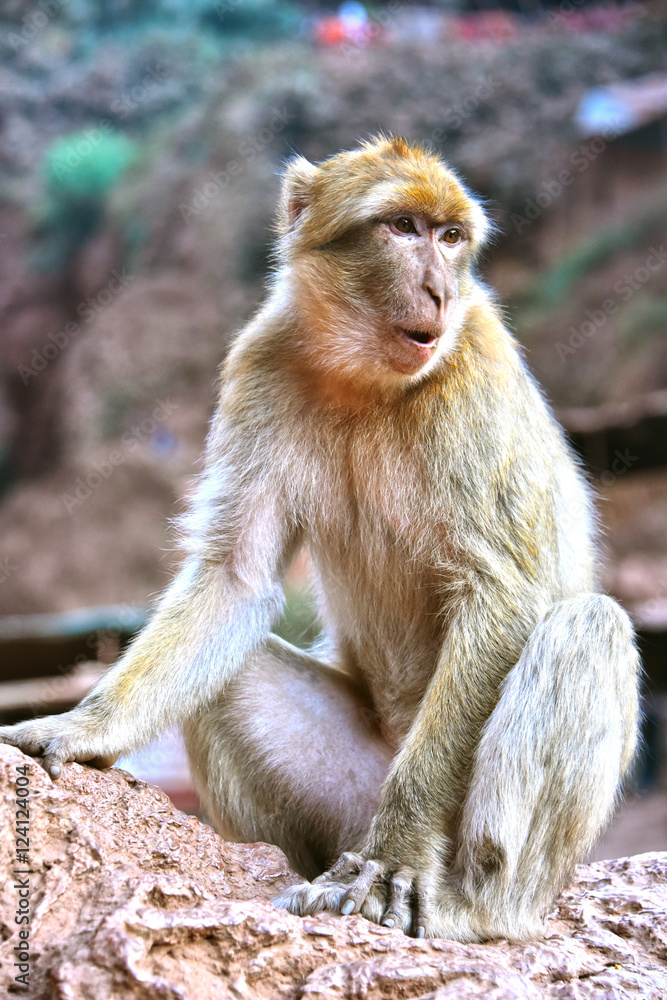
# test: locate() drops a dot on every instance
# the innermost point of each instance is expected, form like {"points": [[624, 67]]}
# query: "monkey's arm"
{"points": [[429, 777], [216, 613]]}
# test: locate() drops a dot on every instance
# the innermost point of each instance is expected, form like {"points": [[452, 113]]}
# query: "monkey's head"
{"points": [[377, 245]]}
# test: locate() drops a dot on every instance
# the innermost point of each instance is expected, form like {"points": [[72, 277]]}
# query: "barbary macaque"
{"points": [[458, 742]]}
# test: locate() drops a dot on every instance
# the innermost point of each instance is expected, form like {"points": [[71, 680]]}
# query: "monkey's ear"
{"points": [[296, 192]]}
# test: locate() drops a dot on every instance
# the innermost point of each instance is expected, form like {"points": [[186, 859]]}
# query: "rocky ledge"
{"points": [[130, 898]]}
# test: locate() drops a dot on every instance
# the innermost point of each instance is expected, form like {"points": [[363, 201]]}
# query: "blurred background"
{"points": [[141, 143]]}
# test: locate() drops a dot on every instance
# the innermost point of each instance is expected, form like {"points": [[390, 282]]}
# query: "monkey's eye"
{"points": [[452, 236], [404, 225]]}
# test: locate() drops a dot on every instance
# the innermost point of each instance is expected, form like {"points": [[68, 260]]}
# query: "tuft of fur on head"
{"points": [[385, 174]]}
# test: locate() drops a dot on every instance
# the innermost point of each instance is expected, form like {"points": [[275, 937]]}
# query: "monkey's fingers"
{"points": [[54, 758], [57, 739], [53, 761], [32, 738], [354, 898], [60, 752]]}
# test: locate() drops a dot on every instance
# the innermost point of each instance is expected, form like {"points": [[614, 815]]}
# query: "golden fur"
{"points": [[460, 737]]}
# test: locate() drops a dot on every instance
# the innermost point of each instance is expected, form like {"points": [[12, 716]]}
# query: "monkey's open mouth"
{"points": [[419, 336]]}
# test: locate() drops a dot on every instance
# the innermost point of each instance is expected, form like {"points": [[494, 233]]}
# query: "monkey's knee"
{"points": [[289, 755], [579, 679], [594, 651], [550, 761]]}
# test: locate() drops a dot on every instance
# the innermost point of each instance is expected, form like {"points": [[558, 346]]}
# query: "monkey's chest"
{"points": [[382, 585], [378, 536]]}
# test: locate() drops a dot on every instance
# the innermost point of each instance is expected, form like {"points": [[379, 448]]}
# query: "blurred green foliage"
{"points": [[556, 284], [643, 318], [255, 19], [84, 166], [78, 173]]}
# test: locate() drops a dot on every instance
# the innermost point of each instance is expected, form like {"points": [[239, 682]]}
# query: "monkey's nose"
{"points": [[435, 296], [434, 285]]}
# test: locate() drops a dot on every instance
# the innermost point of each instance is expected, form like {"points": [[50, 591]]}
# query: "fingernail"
{"points": [[421, 932], [388, 922], [347, 907], [54, 771]]}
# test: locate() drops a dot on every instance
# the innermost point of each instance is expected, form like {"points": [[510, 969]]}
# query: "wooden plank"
{"points": [[43, 695]]}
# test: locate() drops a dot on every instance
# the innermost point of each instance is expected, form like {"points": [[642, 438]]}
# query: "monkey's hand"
{"points": [[77, 735], [394, 895]]}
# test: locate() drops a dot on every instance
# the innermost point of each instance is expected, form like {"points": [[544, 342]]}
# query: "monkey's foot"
{"points": [[399, 898], [61, 738]]}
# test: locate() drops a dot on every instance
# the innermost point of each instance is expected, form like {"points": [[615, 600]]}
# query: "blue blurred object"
{"points": [[164, 441], [622, 107], [602, 113]]}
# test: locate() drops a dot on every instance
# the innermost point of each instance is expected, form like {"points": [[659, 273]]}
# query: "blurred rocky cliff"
{"points": [[140, 164]]}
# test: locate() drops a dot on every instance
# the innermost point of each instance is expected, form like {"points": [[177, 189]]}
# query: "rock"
{"points": [[130, 898]]}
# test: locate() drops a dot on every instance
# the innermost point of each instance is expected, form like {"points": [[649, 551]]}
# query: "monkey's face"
{"points": [[382, 298], [379, 244], [409, 278]]}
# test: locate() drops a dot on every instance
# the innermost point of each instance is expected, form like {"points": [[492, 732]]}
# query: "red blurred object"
{"points": [[333, 30], [607, 17], [491, 25], [330, 31]]}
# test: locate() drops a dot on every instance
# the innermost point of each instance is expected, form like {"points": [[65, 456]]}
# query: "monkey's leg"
{"points": [[548, 769], [289, 755], [545, 776]]}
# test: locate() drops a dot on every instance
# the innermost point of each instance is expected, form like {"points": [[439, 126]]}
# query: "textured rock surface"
{"points": [[132, 899]]}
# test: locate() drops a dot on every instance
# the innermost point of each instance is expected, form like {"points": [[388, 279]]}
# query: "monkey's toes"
{"points": [[401, 904]]}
